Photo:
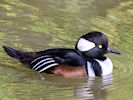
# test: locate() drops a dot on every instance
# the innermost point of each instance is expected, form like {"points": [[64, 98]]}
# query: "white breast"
{"points": [[106, 65]]}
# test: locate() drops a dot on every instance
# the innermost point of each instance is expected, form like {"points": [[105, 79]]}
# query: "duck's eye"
{"points": [[100, 46]]}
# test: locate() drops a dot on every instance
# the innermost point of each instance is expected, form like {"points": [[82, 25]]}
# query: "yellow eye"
{"points": [[100, 46]]}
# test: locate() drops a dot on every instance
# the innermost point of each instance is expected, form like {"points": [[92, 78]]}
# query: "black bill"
{"points": [[113, 51]]}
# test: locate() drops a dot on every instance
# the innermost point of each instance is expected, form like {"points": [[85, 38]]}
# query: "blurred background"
{"points": [[34, 25]]}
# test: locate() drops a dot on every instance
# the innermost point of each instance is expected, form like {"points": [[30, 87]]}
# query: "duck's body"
{"points": [[86, 60], [59, 61]]}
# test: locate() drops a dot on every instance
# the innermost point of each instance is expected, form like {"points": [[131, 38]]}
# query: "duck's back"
{"points": [[64, 56]]}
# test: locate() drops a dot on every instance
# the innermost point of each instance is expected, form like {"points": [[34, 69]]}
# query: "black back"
{"points": [[65, 56]]}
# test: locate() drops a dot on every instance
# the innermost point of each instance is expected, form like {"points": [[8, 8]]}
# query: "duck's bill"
{"points": [[113, 51]]}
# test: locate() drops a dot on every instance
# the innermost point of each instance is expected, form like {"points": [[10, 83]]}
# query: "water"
{"points": [[35, 25]]}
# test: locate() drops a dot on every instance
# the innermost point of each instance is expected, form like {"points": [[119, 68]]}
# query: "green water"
{"points": [[35, 25]]}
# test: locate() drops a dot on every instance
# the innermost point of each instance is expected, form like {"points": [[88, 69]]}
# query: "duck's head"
{"points": [[94, 45]]}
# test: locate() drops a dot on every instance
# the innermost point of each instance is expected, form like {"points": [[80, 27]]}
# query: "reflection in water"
{"points": [[94, 89], [84, 88]]}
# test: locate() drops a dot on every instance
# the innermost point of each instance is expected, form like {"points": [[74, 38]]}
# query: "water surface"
{"points": [[34, 25]]}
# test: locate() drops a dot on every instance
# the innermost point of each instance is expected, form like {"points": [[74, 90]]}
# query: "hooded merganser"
{"points": [[87, 59]]}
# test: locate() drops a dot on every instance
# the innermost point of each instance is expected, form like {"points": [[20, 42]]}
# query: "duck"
{"points": [[87, 59]]}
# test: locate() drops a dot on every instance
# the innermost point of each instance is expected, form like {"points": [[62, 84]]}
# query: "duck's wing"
{"points": [[50, 58], [65, 56], [43, 60]]}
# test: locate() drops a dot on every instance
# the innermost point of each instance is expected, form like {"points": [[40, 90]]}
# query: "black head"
{"points": [[94, 45]]}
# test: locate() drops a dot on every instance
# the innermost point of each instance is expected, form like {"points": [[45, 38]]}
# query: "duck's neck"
{"points": [[102, 58]]}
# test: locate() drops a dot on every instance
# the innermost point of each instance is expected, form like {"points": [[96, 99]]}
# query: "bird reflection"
{"points": [[84, 88], [94, 88]]}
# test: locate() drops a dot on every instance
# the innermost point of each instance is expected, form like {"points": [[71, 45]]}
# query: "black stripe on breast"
{"points": [[96, 67]]}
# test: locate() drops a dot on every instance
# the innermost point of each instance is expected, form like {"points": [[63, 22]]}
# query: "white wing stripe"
{"points": [[44, 64], [48, 67], [38, 58], [41, 62]]}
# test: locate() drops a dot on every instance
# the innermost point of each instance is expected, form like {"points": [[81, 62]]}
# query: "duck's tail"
{"points": [[22, 56], [12, 52]]}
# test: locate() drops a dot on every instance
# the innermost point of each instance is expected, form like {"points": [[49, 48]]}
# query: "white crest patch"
{"points": [[84, 45]]}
